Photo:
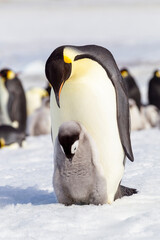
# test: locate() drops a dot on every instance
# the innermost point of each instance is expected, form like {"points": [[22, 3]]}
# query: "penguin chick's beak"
{"points": [[70, 159]]}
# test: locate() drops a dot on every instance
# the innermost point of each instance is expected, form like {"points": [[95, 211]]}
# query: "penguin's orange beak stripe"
{"points": [[60, 89]]}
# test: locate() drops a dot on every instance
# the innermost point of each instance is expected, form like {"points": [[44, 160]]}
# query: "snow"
{"points": [[30, 30], [28, 207]]}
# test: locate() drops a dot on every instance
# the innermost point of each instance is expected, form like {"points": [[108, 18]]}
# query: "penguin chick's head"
{"points": [[7, 74], [157, 73], [68, 136], [124, 73]]}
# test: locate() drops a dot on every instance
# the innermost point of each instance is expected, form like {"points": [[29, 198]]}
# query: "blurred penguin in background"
{"points": [[11, 137], [151, 115], [40, 121], [154, 89], [48, 89], [12, 100], [34, 98], [136, 119], [131, 86]]}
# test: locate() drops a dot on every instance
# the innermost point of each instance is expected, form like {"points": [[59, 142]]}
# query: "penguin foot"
{"points": [[126, 191]]}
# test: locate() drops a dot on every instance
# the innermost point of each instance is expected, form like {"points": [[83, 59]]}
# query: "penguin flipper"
{"points": [[123, 117]]}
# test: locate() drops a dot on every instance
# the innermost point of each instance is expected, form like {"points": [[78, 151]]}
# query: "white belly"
{"points": [[4, 96], [92, 102]]}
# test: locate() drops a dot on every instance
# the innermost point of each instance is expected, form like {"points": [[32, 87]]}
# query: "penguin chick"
{"points": [[154, 89], [40, 121], [136, 119], [131, 86], [16, 101], [151, 114], [77, 175], [34, 98], [10, 135]]}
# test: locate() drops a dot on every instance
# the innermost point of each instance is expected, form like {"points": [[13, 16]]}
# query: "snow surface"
{"points": [[30, 30], [28, 207]]}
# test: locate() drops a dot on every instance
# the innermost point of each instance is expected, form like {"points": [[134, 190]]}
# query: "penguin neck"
{"points": [[82, 67]]}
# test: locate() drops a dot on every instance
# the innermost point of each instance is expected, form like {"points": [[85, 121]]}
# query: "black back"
{"points": [[17, 102], [106, 60], [154, 91], [132, 88]]}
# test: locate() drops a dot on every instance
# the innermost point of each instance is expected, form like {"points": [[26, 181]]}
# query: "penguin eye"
{"points": [[74, 147]]}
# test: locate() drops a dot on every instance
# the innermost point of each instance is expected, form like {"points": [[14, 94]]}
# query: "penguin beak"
{"points": [[58, 94], [58, 70], [70, 159]]}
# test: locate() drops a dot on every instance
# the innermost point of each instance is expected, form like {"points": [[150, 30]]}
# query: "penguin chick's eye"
{"points": [[74, 147]]}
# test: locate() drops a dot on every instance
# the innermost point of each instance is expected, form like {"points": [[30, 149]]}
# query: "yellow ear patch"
{"points": [[158, 74], [2, 142], [10, 75], [67, 59], [124, 74]]}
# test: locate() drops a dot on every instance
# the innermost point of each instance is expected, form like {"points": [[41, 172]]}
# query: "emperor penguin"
{"points": [[40, 121], [132, 87], [87, 87], [34, 97], [154, 89], [14, 104], [77, 177], [11, 136]]}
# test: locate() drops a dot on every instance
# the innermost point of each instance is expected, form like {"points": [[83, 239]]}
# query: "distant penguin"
{"points": [[10, 136], [154, 89], [135, 115], [152, 115], [87, 87], [40, 121], [132, 87], [15, 101], [34, 98], [77, 175]]}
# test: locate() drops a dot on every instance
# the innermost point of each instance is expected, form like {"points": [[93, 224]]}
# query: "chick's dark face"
{"points": [[57, 72]]}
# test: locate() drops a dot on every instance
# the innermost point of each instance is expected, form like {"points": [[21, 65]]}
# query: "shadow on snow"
{"points": [[14, 195]]}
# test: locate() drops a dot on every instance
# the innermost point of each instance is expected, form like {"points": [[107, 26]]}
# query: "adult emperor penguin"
{"points": [[154, 89], [15, 101], [10, 136], [88, 88], [77, 178], [132, 87]]}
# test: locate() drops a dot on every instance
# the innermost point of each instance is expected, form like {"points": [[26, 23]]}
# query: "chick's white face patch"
{"points": [[74, 147], [62, 149]]}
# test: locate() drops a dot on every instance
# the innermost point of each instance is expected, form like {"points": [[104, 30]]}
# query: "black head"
{"points": [[157, 73], [68, 136], [57, 71], [124, 72], [61, 64], [7, 74]]}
